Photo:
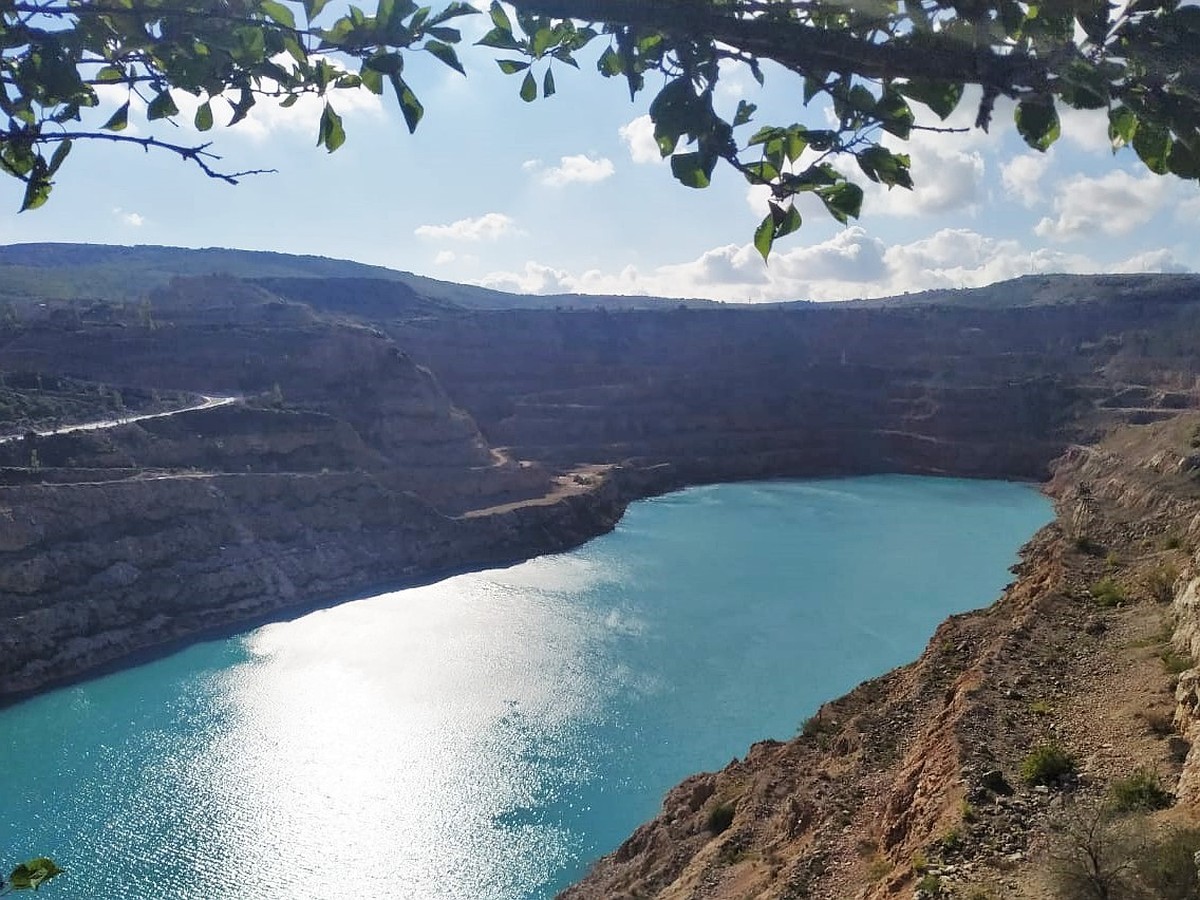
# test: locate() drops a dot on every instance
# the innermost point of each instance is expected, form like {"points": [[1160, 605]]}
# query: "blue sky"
{"points": [[567, 194]]}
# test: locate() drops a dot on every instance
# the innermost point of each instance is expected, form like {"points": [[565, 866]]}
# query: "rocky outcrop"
{"points": [[93, 573], [918, 774]]}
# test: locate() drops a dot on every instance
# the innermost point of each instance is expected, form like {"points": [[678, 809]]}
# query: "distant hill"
{"points": [[71, 272], [47, 272]]}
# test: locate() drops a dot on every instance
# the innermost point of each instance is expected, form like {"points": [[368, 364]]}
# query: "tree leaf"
{"points": [[745, 112], [278, 13], [312, 8], [764, 236], [548, 84], [939, 96], [1037, 122], [512, 66], [1122, 124], [1152, 143], [528, 88], [119, 120], [204, 117], [693, 169], [446, 54], [162, 107], [410, 106], [331, 134], [843, 200], [500, 17]]}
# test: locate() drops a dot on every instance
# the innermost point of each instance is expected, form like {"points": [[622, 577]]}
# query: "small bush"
{"points": [[1174, 662], [1107, 593], [720, 817], [1168, 867], [1041, 708], [1159, 723], [1140, 791], [1046, 764], [1160, 582], [1172, 542], [930, 884]]}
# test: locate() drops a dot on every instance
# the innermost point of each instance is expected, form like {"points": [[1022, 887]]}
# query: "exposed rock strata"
{"points": [[924, 762]]}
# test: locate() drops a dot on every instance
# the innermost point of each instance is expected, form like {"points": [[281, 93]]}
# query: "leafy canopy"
{"points": [[71, 70], [30, 875]]}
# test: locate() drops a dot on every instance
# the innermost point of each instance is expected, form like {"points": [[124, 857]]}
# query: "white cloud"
{"points": [[947, 171], [1022, 177], [850, 264], [132, 219], [1086, 129], [1111, 205], [488, 227], [1162, 260], [535, 278], [445, 257], [638, 136], [579, 169]]}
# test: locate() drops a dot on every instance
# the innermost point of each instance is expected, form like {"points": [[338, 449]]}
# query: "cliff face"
{"points": [[736, 393], [918, 774]]}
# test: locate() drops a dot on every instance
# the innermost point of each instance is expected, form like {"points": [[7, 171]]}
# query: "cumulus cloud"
{"points": [[638, 136], [1022, 177], [132, 219], [850, 264], [1111, 205], [1162, 260], [947, 170], [578, 169], [535, 278], [445, 257], [488, 227]]}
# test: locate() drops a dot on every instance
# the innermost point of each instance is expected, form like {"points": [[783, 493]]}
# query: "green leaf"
{"points": [[528, 88], [500, 40], [312, 8], [446, 54], [1037, 122], [410, 106], [59, 157], [511, 66], [500, 17], [331, 133], [162, 107], [789, 222], [33, 874], [109, 74], [764, 236], [1184, 160], [1152, 143], [1122, 123], [843, 200], [745, 112], [204, 117], [118, 120], [609, 64], [693, 169], [279, 13], [548, 84], [896, 115], [939, 96]]}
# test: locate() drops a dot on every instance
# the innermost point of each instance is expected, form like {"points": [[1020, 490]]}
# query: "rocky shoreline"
{"points": [[911, 785]]}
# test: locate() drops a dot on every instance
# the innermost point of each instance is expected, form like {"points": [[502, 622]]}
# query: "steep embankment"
{"points": [[917, 778]]}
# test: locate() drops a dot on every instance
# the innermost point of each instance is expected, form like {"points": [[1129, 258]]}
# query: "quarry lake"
{"points": [[488, 736]]}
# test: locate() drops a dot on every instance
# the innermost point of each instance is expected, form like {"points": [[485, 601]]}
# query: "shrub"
{"points": [[1173, 661], [1168, 867], [1160, 582], [930, 884], [1140, 791], [720, 817], [1107, 593], [1046, 763], [1041, 708]]}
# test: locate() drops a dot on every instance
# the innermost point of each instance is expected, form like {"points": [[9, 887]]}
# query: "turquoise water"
{"points": [[486, 737]]}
